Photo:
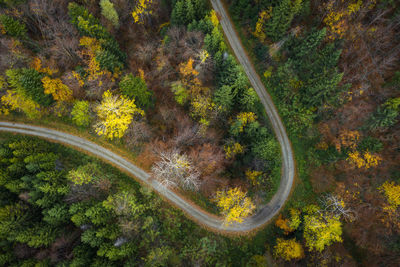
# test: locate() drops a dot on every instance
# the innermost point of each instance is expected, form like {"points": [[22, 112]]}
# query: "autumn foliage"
{"points": [[234, 205], [115, 113], [288, 249]]}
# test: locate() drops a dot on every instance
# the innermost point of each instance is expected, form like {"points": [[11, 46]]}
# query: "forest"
{"points": [[158, 82]]}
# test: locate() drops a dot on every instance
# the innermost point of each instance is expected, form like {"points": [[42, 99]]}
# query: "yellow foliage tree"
{"points": [[115, 114], [234, 204], [245, 118], [367, 160], [189, 74], [259, 31], [288, 249], [57, 89], [232, 150], [339, 16], [214, 18], [252, 176], [392, 194], [93, 66], [143, 8], [201, 108], [347, 139], [37, 65], [289, 225], [17, 101], [189, 88], [321, 230]]}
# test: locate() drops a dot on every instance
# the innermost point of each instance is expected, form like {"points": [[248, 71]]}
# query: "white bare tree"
{"points": [[334, 205], [174, 170]]}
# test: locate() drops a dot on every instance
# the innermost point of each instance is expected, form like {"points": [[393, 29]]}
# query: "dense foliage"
{"points": [[156, 79], [332, 69]]}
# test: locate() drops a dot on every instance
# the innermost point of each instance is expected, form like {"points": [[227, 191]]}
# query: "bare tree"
{"points": [[334, 205], [174, 169], [137, 133]]}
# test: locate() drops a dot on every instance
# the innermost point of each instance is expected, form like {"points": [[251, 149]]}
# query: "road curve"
{"points": [[209, 220], [288, 166]]}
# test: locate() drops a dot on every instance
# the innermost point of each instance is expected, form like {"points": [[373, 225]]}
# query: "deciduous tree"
{"points": [[142, 10], [57, 89], [109, 12], [321, 230], [115, 114], [234, 204], [80, 113], [174, 169], [288, 249]]}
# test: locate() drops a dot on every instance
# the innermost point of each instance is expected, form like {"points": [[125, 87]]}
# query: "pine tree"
{"points": [[224, 98], [178, 16], [12, 27], [281, 18], [136, 88], [28, 83]]}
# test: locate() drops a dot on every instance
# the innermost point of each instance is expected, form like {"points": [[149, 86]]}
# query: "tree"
{"points": [[180, 92], [57, 89], [187, 11], [109, 12], [234, 204], [110, 56], [259, 31], [12, 27], [321, 229], [288, 249], [242, 119], [174, 169], [15, 101], [28, 83], [281, 18], [80, 113], [136, 88], [158, 257], [249, 99], [267, 149], [233, 149], [224, 98], [291, 224], [124, 203], [115, 114], [392, 194], [365, 160], [143, 8], [385, 116]]}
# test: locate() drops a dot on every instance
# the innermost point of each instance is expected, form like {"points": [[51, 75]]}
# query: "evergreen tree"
{"points": [[13, 27], [281, 18], [136, 88], [224, 98], [28, 82]]}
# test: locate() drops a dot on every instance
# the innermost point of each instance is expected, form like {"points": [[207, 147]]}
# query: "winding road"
{"points": [[210, 221]]}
